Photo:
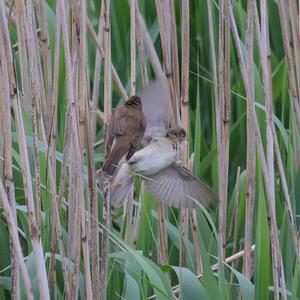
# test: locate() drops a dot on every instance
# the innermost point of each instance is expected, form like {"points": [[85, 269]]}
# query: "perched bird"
{"points": [[124, 132], [159, 166]]}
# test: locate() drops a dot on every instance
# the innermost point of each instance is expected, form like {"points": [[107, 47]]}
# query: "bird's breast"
{"points": [[154, 158]]}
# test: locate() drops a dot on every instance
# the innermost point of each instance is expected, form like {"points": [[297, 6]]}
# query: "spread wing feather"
{"points": [[175, 185]]}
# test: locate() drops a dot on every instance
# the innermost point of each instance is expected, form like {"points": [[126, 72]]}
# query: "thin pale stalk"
{"points": [[184, 227], [235, 214], [185, 63], [248, 259], [52, 145], [174, 53], [196, 245], [115, 75], [105, 239], [95, 257], [33, 226], [163, 238], [76, 163], [133, 47], [163, 16], [223, 120], [82, 87], [149, 45], [5, 126], [96, 81], [276, 254], [267, 83], [286, 194], [294, 17], [83, 112], [289, 59], [13, 231], [142, 52], [46, 57], [20, 17], [213, 51], [106, 185]]}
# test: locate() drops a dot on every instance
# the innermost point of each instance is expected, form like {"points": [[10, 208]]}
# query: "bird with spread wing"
{"points": [[158, 163]]}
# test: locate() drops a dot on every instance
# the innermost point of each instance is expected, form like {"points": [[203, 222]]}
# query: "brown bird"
{"points": [[164, 176], [124, 132]]}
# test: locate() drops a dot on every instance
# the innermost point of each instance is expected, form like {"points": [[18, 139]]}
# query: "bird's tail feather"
{"points": [[111, 163], [122, 185], [122, 192]]}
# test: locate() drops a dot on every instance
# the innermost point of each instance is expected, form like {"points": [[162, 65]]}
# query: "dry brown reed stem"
{"points": [[76, 180], [149, 45], [290, 212], [195, 228], [234, 222], [223, 119], [294, 23], [83, 114], [264, 53], [46, 59], [174, 55], [251, 157], [163, 15], [293, 83], [82, 86], [1, 122], [5, 132], [71, 52], [196, 244], [56, 236], [163, 238], [105, 238], [185, 63], [96, 81], [52, 147], [35, 106], [213, 51], [13, 231], [95, 257], [133, 47], [142, 52], [106, 184], [34, 230], [20, 17], [115, 75], [276, 252]]}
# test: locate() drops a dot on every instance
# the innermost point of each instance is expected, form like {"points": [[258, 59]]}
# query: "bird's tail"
{"points": [[112, 161], [122, 185]]}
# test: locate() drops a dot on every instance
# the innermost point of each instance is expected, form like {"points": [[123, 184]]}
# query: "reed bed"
{"points": [[233, 73]]}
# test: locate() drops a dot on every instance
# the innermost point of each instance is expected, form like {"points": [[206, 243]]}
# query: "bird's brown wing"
{"points": [[176, 185], [120, 120], [116, 126]]}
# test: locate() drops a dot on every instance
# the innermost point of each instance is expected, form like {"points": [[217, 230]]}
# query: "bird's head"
{"points": [[134, 101], [176, 134]]}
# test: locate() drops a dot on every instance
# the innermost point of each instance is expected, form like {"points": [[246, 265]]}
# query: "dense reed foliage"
{"points": [[233, 69]]}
